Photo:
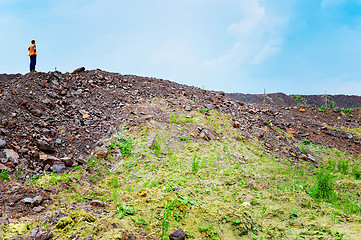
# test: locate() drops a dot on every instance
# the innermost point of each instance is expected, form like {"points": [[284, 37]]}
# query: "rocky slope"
{"points": [[281, 99], [50, 123]]}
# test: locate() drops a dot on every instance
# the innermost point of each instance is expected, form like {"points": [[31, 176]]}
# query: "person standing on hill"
{"points": [[32, 54]]}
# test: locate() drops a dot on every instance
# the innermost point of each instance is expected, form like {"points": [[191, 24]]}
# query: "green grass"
{"points": [[196, 185], [4, 174]]}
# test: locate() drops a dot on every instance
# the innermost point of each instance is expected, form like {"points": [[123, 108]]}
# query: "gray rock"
{"points": [[88, 122], [16, 238], [4, 220], [55, 74], [177, 235], [28, 200], [58, 167], [11, 155], [3, 131], [45, 146], [311, 158], [207, 135], [38, 209], [15, 189], [37, 200], [188, 108], [44, 236], [2, 143], [34, 232]]}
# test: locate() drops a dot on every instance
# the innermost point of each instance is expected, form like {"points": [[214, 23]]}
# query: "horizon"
{"points": [[267, 93], [234, 46]]}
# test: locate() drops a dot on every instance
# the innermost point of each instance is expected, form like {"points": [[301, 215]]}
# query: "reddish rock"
{"points": [[236, 124], [78, 70]]}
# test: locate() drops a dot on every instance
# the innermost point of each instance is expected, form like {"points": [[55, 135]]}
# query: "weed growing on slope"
{"points": [[195, 164], [123, 144], [4, 174], [356, 173], [298, 98], [343, 166], [209, 231], [324, 186]]}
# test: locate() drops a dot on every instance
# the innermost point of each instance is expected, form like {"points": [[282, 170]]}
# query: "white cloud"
{"points": [[258, 35]]}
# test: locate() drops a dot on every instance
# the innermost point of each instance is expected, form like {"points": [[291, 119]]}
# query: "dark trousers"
{"points": [[32, 63]]}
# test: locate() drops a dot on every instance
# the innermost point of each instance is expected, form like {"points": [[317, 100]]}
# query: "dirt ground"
{"points": [[51, 122]]}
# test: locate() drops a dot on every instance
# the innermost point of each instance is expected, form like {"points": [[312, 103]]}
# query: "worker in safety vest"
{"points": [[32, 54]]}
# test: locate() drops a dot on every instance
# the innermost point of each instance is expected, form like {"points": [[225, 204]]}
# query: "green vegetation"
{"points": [[323, 108], [298, 98], [161, 176], [4, 174], [123, 144], [346, 111]]}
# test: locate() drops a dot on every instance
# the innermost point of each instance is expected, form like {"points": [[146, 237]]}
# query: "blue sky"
{"points": [[290, 46]]}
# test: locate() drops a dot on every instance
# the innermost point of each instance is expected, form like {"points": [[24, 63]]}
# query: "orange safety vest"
{"points": [[32, 50]]}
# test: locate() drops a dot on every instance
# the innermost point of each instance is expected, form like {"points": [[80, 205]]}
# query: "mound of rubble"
{"points": [[281, 99], [52, 121]]}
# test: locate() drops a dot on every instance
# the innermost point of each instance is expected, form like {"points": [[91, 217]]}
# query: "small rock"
{"points": [[28, 200], [88, 238], [68, 161], [2, 143], [15, 189], [207, 135], [44, 236], [48, 159], [16, 238], [312, 158], [188, 108], [78, 70], [58, 167], [97, 203], [246, 205], [38, 209], [102, 153], [88, 122], [3, 131], [45, 146], [236, 124], [177, 235], [4, 220], [11, 155], [55, 74], [299, 150], [37, 200], [34, 232], [202, 135]]}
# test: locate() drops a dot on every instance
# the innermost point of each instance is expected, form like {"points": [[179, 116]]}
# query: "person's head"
{"points": [[32, 41]]}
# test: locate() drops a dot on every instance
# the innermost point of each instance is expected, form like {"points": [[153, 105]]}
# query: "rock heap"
{"points": [[52, 121]]}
